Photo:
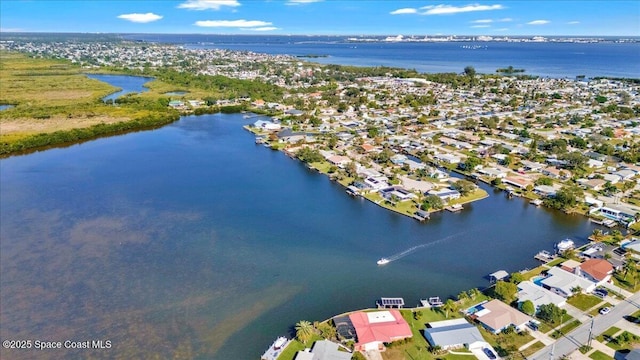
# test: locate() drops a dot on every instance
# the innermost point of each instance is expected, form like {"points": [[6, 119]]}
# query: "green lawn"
{"points": [[290, 352], [570, 326], [606, 336], [506, 344], [627, 345], [584, 302], [556, 262], [599, 355], [533, 272], [533, 348]]}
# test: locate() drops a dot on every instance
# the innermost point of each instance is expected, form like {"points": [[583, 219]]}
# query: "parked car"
{"points": [[601, 293], [489, 353], [533, 325], [604, 310]]}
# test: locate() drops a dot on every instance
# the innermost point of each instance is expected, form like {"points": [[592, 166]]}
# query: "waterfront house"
{"points": [[596, 270], [445, 194], [564, 283], [377, 183], [374, 329], [447, 158], [323, 350], [537, 295], [517, 181], [453, 334], [397, 193], [496, 316]]}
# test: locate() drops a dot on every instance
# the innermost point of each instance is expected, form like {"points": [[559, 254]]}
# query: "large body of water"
{"points": [[190, 240], [557, 59]]}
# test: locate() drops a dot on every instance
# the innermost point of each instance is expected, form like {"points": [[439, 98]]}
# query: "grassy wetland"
{"points": [[55, 103]]}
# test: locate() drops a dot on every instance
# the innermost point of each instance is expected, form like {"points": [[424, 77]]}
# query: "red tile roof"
{"points": [[597, 268], [379, 330]]}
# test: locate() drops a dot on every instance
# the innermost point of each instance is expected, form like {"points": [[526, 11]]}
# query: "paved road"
{"points": [[580, 335]]}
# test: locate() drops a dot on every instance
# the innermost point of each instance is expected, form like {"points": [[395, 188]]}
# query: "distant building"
{"points": [[323, 350]]}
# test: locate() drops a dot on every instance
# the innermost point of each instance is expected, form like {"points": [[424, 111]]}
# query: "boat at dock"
{"points": [[565, 245], [275, 349], [536, 202], [383, 261], [455, 208]]}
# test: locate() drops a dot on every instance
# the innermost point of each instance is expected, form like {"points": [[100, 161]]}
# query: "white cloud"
{"points": [[505, 20], [502, 29], [11, 30], [263, 28], [300, 2], [482, 21], [207, 4], [404, 11], [449, 9], [480, 26], [538, 22], [140, 18], [573, 22], [232, 23]]}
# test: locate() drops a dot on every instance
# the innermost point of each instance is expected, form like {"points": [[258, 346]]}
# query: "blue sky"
{"points": [[384, 17]]}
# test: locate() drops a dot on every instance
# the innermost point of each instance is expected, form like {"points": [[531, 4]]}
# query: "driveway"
{"points": [[580, 335]]}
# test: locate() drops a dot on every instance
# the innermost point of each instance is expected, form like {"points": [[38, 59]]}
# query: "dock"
{"points": [[454, 208], [432, 302], [545, 256], [390, 303], [421, 215]]}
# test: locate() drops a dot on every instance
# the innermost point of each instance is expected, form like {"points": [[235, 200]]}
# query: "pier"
{"points": [[545, 256]]}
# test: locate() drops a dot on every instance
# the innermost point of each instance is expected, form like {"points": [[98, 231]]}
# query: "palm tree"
{"points": [[304, 330], [597, 235], [449, 305]]}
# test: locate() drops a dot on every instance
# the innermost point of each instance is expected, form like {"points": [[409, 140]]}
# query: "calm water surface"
{"points": [[191, 240], [128, 84]]}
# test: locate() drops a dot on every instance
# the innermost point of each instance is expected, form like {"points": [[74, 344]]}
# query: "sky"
{"points": [[325, 17]]}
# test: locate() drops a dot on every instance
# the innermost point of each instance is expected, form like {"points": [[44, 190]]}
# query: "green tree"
{"points": [[528, 308], [470, 71], [506, 291], [516, 278], [432, 202], [449, 306], [304, 330], [551, 313], [471, 162], [464, 186]]}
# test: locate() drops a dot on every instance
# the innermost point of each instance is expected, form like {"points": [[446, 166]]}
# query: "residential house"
{"points": [[517, 181], [596, 270], [565, 283], [397, 193], [323, 350], [445, 194], [496, 316], [453, 334], [537, 295], [373, 329], [447, 158]]}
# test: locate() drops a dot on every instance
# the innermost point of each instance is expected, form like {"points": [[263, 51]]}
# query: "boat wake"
{"points": [[412, 249]]}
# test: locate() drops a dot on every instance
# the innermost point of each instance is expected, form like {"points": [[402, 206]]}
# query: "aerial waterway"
{"points": [[400, 255], [201, 239]]}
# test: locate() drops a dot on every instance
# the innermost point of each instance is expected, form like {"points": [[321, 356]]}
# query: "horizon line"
{"points": [[296, 34]]}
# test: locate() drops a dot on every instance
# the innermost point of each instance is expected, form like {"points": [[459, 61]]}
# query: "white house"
{"points": [[563, 282]]}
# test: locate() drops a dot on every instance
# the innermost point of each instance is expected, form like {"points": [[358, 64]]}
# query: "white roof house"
{"points": [[451, 334], [562, 282], [538, 295]]}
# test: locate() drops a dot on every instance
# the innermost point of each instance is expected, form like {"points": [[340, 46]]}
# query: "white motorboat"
{"points": [[383, 261]]}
